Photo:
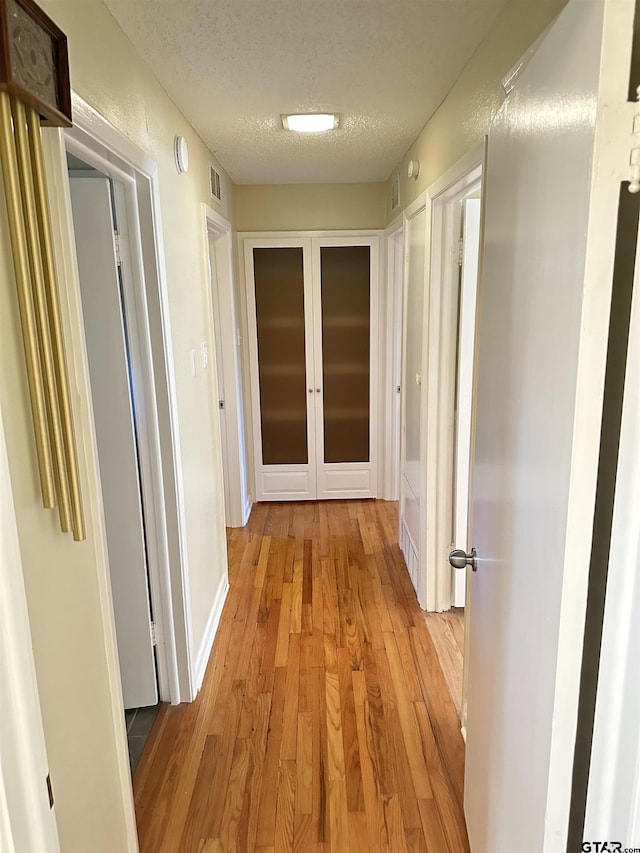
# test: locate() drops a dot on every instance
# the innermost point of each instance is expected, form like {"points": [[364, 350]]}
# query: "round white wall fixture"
{"points": [[413, 169], [181, 154]]}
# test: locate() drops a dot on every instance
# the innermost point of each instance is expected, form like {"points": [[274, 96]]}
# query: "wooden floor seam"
{"points": [[324, 722]]}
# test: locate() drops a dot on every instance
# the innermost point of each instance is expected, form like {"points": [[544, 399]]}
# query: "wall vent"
{"points": [[215, 184], [395, 193]]}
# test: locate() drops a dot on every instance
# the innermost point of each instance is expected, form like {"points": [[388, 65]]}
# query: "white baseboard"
{"points": [[248, 506], [202, 658]]}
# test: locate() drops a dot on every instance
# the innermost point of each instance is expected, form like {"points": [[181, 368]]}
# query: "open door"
{"points": [[101, 280], [464, 380], [552, 188]]}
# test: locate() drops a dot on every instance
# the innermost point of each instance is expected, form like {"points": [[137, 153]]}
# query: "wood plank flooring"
{"points": [[447, 633], [324, 722]]}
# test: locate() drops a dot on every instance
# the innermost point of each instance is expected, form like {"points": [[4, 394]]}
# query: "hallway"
{"points": [[324, 721]]}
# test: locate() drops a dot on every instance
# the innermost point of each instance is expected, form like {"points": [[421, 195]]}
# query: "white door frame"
{"points": [[365, 474], [410, 549], [285, 481], [219, 251], [247, 241], [613, 792], [95, 141], [438, 370], [27, 821], [104, 242], [391, 344]]}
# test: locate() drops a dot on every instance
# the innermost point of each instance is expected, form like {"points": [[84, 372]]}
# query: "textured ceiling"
{"points": [[233, 66]]}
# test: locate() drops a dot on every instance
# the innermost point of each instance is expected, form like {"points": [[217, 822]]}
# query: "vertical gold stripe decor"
{"points": [[53, 304], [25, 304], [40, 311], [26, 99]]}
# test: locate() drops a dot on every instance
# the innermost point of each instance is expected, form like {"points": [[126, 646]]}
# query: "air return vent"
{"points": [[215, 185]]}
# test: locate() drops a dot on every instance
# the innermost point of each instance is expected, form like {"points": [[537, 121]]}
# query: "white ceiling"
{"points": [[233, 66]]}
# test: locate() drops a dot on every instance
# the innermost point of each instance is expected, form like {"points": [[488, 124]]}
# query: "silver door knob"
{"points": [[459, 559]]}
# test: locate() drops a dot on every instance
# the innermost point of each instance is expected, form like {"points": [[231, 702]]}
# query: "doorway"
{"points": [[95, 142], [442, 258], [451, 347], [103, 241], [226, 344], [391, 445], [468, 263], [442, 239]]}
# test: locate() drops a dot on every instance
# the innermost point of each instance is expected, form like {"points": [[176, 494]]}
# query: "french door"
{"points": [[312, 304]]}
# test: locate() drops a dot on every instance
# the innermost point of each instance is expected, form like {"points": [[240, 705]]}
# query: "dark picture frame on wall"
{"points": [[34, 61]]}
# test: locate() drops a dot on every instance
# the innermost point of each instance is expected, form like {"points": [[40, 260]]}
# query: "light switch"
{"points": [[418, 379], [192, 358]]}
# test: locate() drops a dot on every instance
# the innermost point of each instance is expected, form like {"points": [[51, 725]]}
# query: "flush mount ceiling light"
{"points": [[311, 122]]}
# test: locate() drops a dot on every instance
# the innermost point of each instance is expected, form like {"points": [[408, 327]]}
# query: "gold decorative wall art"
{"points": [[34, 87]]}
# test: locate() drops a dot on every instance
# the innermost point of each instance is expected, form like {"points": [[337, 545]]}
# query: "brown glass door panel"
{"points": [[345, 324], [280, 326]]}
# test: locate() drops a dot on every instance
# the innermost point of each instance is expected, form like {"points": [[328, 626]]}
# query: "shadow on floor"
{"points": [[139, 722]]}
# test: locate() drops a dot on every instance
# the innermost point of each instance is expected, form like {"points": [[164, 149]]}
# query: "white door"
{"points": [[219, 357], [551, 203], [411, 501], [345, 321], [464, 380], [312, 304], [105, 329], [283, 393], [394, 360]]}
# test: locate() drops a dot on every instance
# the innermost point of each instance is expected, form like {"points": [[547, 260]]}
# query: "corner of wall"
{"points": [[213, 622]]}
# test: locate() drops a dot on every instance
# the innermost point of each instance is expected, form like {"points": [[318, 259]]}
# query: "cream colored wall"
{"points": [[463, 118], [76, 673], [84, 734], [309, 207]]}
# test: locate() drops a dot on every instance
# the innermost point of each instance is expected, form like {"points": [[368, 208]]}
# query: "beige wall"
{"points": [[309, 207], [84, 733], [463, 118]]}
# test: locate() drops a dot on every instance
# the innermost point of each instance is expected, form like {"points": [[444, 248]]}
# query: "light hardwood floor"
{"points": [[324, 722], [447, 633]]}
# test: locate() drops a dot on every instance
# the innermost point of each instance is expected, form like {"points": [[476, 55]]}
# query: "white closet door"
{"points": [[115, 434], [345, 274], [279, 298]]}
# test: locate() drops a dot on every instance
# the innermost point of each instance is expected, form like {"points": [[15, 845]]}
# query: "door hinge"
{"points": [[49, 790], [460, 251], [116, 246], [154, 634]]}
